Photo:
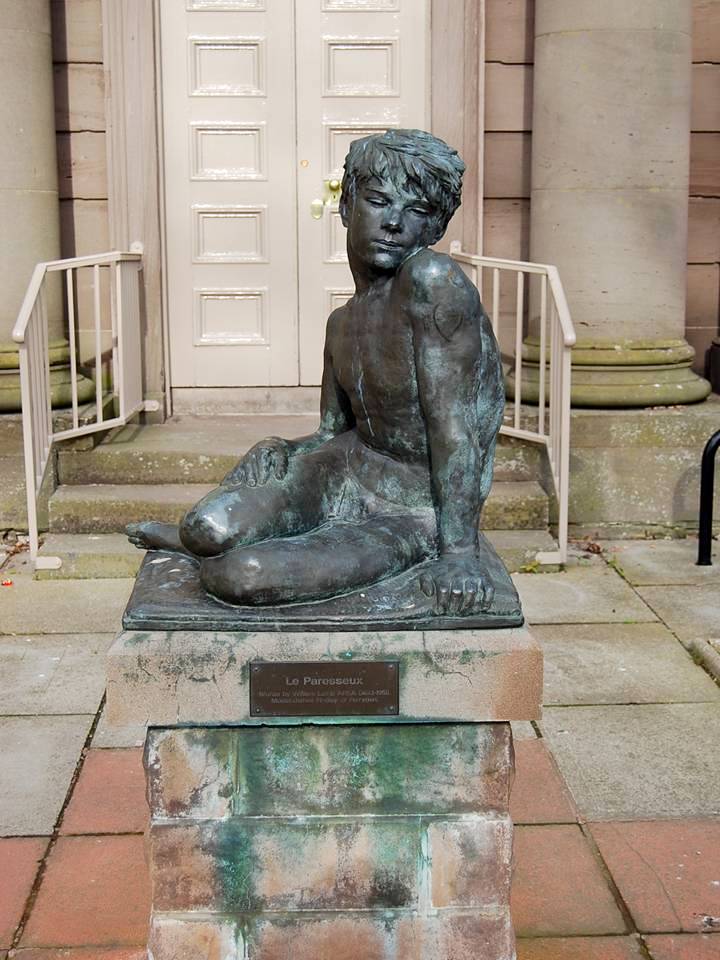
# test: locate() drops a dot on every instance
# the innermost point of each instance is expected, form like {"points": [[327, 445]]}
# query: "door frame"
{"points": [[135, 153]]}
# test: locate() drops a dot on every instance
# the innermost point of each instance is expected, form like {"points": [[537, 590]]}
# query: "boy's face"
{"points": [[387, 224]]}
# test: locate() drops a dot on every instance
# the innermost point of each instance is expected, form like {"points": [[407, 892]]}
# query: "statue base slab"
{"points": [[168, 595]]}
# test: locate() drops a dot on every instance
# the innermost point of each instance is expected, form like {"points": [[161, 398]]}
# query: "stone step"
{"points": [[90, 556], [109, 555], [108, 508], [203, 449], [516, 505]]}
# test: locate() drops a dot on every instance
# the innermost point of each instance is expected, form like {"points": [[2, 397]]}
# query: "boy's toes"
{"points": [[136, 534]]}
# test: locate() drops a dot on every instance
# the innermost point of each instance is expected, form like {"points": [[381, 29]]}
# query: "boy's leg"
{"points": [[334, 558], [239, 515]]}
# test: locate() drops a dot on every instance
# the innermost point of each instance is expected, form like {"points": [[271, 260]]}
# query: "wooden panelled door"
{"points": [[260, 100]]}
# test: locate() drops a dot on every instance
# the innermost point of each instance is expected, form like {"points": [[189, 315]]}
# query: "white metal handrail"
{"points": [[551, 425], [31, 334]]}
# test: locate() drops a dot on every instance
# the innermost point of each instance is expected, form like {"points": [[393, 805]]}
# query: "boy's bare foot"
{"points": [[153, 535]]}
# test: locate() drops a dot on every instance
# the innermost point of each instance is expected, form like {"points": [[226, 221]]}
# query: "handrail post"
{"points": [[707, 488], [30, 333], [29, 450]]}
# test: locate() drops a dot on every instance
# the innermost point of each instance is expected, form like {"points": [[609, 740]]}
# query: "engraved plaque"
{"points": [[325, 689]]}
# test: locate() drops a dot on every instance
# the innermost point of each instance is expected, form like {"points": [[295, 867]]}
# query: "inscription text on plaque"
{"points": [[325, 688]]}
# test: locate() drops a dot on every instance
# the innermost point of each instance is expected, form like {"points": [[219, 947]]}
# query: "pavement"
{"points": [[616, 799]]}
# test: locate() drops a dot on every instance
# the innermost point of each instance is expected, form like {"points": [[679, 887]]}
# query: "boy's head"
{"points": [[414, 161]]}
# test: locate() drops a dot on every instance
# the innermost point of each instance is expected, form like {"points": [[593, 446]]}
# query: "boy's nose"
{"points": [[393, 218]]}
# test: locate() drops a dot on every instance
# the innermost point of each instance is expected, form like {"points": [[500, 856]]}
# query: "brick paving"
{"points": [[623, 885]]}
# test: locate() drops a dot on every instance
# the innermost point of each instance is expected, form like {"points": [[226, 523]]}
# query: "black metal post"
{"points": [[707, 488]]}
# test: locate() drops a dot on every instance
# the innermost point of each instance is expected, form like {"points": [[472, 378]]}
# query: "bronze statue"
{"points": [[393, 480]]}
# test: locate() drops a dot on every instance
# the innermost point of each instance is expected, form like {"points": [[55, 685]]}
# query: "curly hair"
{"points": [[413, 160]]}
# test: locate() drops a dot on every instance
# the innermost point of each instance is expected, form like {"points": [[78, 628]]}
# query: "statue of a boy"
{"points": [[411, 403]]}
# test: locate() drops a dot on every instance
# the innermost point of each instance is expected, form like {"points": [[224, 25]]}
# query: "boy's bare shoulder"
{"points": [[336, 321], [439, 297], [430, 278]]}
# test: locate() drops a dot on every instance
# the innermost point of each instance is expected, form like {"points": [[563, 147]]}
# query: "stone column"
{"points": [[610, 173], [29, 209]]}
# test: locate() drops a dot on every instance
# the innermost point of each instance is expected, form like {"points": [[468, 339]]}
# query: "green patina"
{"points": [[348, 769], [275, 761], [237, 863], [395, 857], [218, 743]]}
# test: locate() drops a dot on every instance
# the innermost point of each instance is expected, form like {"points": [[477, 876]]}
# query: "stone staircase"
{"points": [[159, 471]]}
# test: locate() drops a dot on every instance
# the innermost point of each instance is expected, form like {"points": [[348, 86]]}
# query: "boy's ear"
{"points": [[344, 211], [436, 232]]}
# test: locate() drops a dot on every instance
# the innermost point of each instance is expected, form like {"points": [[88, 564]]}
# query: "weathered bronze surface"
{"points": [[168, 595], [325, 689], [387, 493]]}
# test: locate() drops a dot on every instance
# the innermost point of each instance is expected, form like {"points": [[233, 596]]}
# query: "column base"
{"points": [[638, 373], [60, 380]]}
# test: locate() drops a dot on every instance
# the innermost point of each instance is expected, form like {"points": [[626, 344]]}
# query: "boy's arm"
{"points": [[271, 457], [448, 337]]}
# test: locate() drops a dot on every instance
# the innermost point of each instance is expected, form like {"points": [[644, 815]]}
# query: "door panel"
{"points": [[361, 69], [229, 128], [261, 99]]}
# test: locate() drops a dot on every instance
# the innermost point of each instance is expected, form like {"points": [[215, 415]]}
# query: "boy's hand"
{"points": [[268, 458], [457, 584]]}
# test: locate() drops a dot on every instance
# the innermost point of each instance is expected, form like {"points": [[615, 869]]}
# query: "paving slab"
{"points": [[684, 946], [20, 858], [539, 794], [38, 756], [690, 612], [96, 890], [548, 901], [52, 673], [648, 562], [620, 663], [638, 762], [581, 948], [62, 606], [667, 872], [591, 593], [109, 796], [523, 730], [111, 736]]}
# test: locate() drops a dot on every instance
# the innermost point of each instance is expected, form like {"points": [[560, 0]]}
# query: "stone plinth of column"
{"points": [[329, 838], [29, 205], [610, 174]]}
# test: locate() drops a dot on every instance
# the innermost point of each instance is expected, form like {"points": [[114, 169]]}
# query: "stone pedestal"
{"points": [[329, 838], [331, 842]]}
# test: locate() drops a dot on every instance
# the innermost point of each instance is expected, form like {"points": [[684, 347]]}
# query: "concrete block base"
{"points": [[168, 678], [386, 841], [320, 837]]}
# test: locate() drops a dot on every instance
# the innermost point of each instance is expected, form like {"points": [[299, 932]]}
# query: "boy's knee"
{"points": [[201, 532]]}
